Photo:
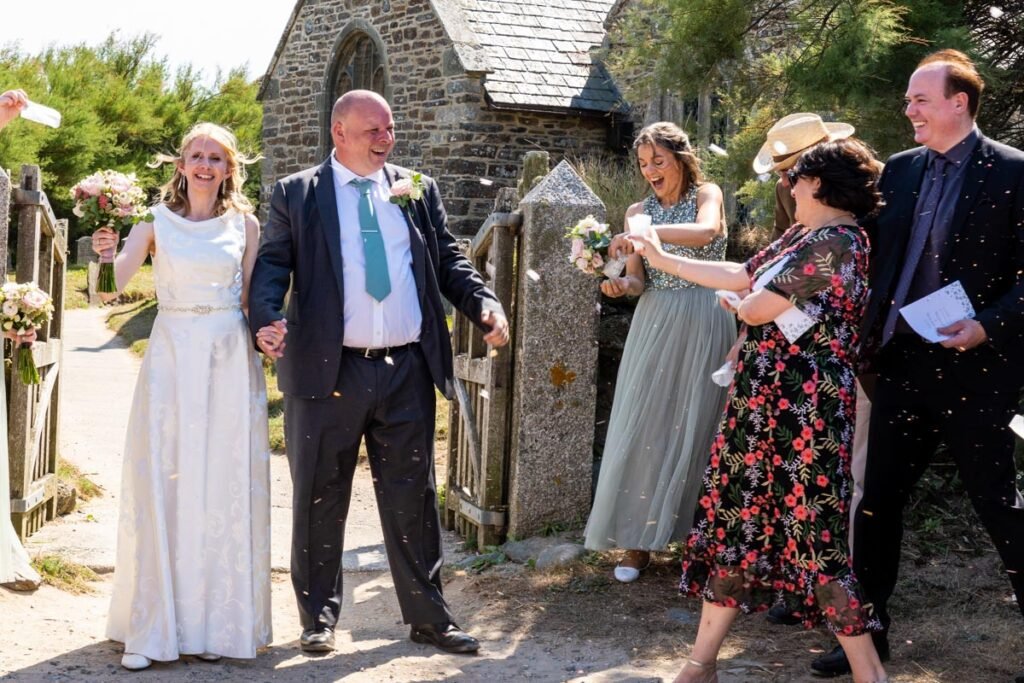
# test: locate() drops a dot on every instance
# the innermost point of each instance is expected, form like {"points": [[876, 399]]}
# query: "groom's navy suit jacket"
{"points": [[985, 253], [301, 247]]}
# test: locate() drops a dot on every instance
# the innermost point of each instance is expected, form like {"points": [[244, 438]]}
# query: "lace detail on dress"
{"points": [[684, 211]]}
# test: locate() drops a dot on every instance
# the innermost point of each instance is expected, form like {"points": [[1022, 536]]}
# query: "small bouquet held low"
{"points": [[589, 250], [113, 201], [24, 308]]}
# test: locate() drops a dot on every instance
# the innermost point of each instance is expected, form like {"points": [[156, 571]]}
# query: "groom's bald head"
{"points": [[363, 131], [355, 99]]}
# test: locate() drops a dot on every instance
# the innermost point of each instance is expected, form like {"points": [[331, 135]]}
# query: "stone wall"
{"points": [[444, 126]]}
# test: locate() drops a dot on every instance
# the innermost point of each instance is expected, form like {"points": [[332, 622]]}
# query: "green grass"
{"points": [[64, 574], [70, 473], [141, 287]]}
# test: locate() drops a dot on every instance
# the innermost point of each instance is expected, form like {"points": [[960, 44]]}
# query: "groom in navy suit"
{"points": [[365, 249]]}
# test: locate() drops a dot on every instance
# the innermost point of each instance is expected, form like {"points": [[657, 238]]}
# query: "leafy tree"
{"points": [[120, 106], [849, 59]]}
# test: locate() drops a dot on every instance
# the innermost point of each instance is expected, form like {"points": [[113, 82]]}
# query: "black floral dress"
{"points": [[773, 514]]}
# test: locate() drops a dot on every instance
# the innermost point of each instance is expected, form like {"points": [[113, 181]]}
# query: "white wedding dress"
{"points": [[193, 549]]}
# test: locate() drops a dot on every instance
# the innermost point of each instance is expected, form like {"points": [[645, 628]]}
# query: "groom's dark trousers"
{"points": [[390, 404], [335, 397]]}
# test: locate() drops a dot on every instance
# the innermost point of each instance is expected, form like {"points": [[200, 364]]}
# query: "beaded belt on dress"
{"points": [[199, 309]]}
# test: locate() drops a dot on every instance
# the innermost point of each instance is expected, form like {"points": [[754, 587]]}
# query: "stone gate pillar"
{"points": [[554, 389]]}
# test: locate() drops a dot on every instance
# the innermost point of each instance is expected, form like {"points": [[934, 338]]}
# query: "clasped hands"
{"points": [[641, 244], [271, 338]]}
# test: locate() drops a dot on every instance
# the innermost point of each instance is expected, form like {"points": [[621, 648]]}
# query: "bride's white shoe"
{"points": [[134, 662], [208, 657], [626, 574]]}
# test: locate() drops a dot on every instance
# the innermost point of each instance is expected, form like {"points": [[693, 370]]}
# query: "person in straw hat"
{"points": [[787, 139], [790, 136]]}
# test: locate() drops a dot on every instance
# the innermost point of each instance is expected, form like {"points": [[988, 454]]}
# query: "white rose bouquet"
{"points": [[23, 308], [589, 248], [112, 201]]}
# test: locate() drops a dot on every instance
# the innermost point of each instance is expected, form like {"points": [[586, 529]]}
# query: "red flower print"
{"points": [[780, 366], [783, 403], [725, 479], [749, 459], [777, 460], [809, 387], [809, 269], [745, 514], [807, 456], [801, 512], [790, 500], [752, 557], [715, 460], [819, 424], [798, 489], [772, 424], [705, 502], [826, 536], [798, 443], [720, 533], [822, 480], [806, 432], [836, 280], [769, 530], [793, 349]]}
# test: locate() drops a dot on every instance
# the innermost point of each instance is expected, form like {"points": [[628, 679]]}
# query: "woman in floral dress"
{"points": [[773, 508]]}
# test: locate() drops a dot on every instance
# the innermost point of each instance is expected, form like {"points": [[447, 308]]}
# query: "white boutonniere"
{"points": [[407, 190]]}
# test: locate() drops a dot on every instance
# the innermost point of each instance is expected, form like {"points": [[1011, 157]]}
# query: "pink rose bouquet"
{"points": [[589, 248], [23, 308], [113, 201]]}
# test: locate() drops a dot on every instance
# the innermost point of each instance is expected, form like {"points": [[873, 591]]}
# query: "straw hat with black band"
{"points": [[793, 134]]}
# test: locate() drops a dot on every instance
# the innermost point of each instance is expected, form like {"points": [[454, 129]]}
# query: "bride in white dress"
{"points": [[192, 575]]}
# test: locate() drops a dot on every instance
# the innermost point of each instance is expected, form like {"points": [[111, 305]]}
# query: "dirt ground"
{"points": [[952, 622], [953, 619]]}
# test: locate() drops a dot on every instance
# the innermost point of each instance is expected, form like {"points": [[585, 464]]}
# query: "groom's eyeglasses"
{"points": [[792, 175]]}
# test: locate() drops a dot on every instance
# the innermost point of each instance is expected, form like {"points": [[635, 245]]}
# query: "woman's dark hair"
{"points": [[848, 171]]}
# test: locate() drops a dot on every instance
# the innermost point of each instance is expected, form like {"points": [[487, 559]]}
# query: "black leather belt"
{"points": [[377, 354]]}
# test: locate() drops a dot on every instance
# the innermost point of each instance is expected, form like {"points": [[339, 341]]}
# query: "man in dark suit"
{"points": [[954, 212], [365, 248]]}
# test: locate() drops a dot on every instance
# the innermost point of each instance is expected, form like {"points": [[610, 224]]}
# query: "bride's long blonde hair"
{"points": [[174, 193]]}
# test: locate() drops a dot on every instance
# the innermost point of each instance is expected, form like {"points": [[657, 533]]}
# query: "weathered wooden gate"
{"points": [[34, 410], [479, 421]]}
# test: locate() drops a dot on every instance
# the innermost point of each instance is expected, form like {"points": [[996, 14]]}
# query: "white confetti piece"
{"points": [[532, 274], [995, 12], [484, 394], [493, 353], [715, 149], [780, 147], [485, 181], [389, 360]]}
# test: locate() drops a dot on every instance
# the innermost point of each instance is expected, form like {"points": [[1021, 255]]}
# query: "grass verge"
{"points": [[64, 574], [69, 472]]}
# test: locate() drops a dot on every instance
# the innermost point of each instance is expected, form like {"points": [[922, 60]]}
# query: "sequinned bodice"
{"points": [[684, 211]]}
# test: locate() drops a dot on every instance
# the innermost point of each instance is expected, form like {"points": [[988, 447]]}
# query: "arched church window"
{"points": [[360, 66]]}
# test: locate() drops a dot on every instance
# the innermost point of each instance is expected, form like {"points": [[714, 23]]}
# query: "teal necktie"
{"points": [[378, 284]]}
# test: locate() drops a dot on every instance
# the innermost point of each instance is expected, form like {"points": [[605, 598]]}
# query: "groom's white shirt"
{"points": [[370, 323]]}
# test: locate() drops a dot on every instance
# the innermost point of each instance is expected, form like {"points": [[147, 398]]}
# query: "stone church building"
{"points": [[474, 84]]}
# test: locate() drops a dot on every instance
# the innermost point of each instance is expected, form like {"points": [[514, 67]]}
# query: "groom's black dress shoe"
{"points": [[447, 637], [835, 662], [317, 640]]}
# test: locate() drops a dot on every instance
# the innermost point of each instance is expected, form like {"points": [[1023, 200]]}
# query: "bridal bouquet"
{"points": [[23, 308], [589, 250], [112, 201]]}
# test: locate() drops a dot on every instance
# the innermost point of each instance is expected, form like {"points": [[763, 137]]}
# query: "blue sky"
{"points": [[207, 33]]}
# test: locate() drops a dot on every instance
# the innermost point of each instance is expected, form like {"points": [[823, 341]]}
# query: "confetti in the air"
{"points": [[532, 274], [996, 12], [715, 149]]}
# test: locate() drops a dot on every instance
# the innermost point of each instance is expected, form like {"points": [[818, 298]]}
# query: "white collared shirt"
{"points": [[370, 323]]}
